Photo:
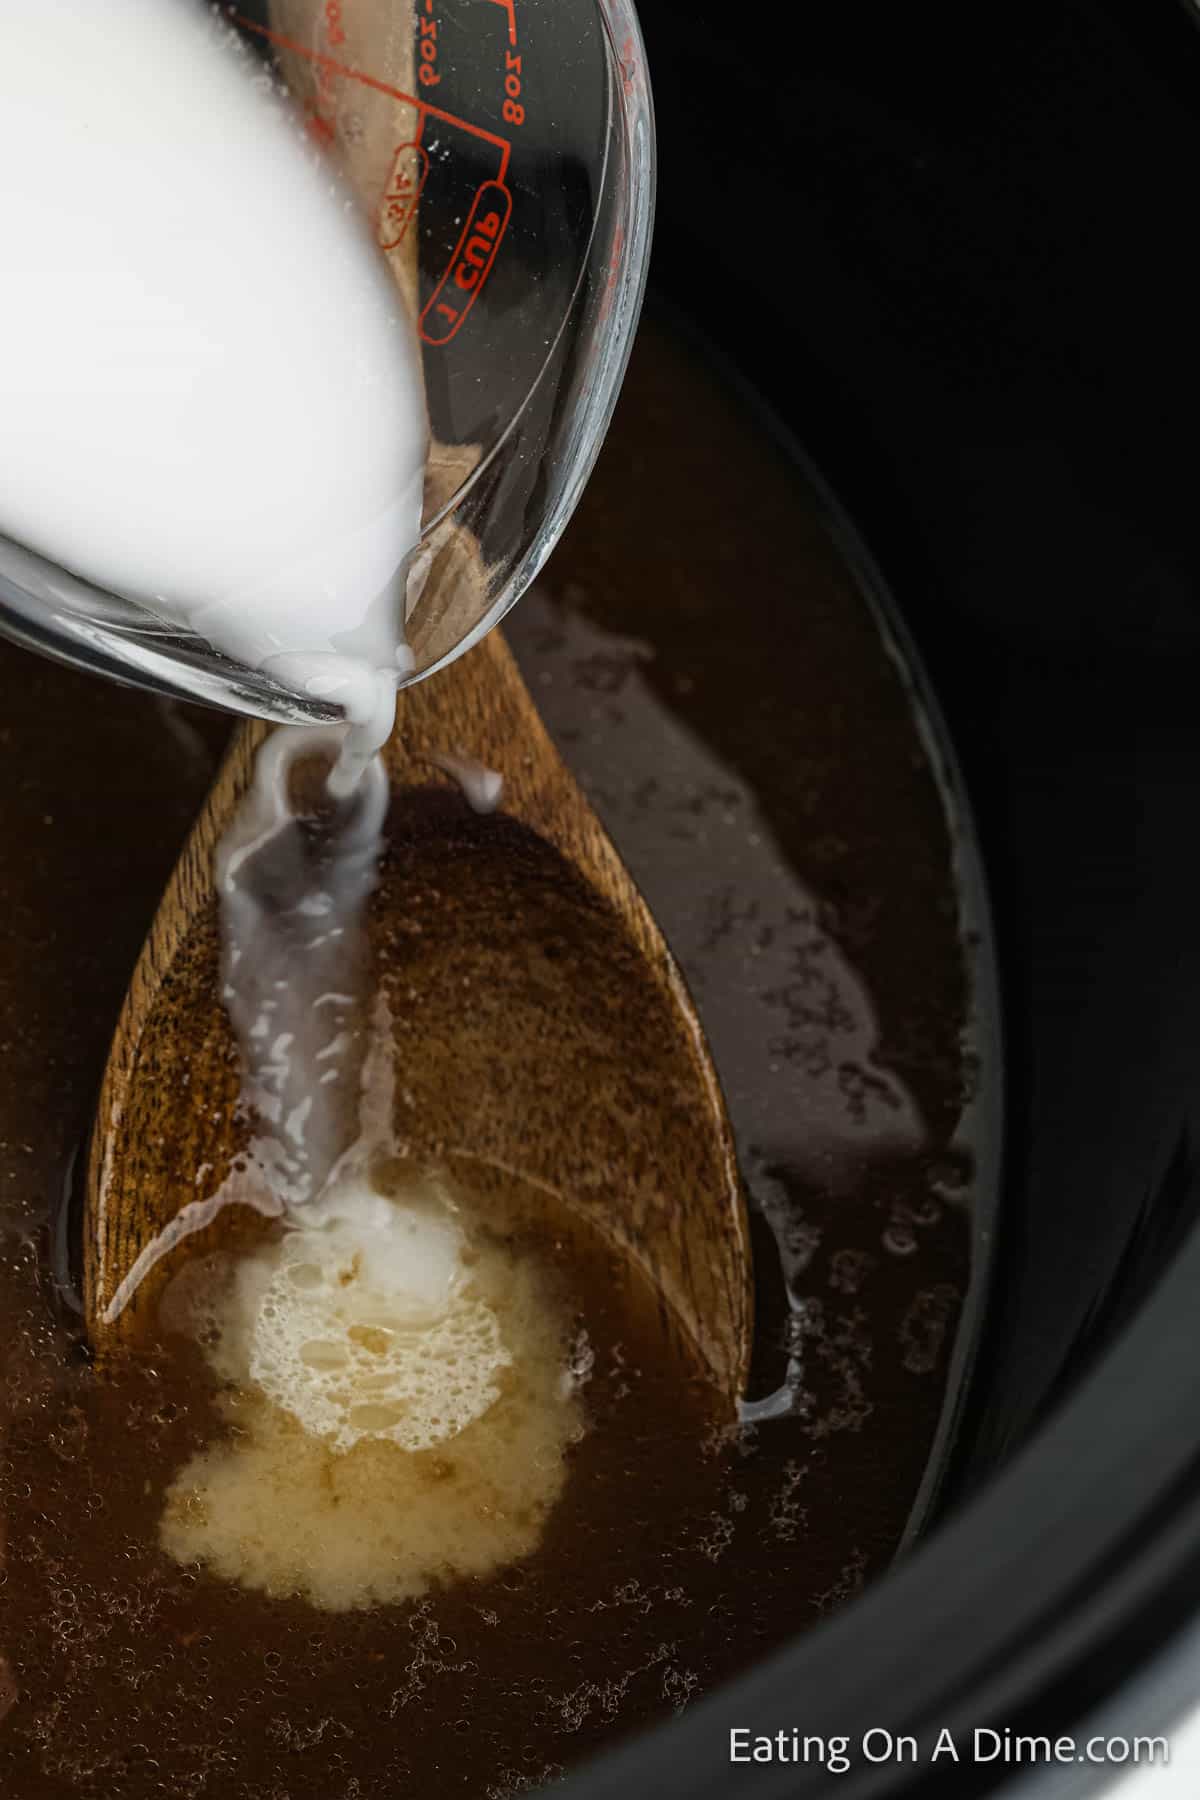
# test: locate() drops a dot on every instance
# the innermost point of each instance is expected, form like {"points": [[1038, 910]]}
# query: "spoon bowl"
{"points": [[541, 1028]]}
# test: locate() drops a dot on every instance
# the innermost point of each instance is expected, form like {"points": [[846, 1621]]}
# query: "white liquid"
{"points": [[294, 959], [295, 981], [210, 392], [481, 786]]}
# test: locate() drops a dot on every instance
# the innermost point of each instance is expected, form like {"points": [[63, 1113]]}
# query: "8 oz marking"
{"points": [[427, 73], [512, 109]]}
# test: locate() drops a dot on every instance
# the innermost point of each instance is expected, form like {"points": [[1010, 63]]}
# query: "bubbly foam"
{"points": [[401, 1304], [212, 393], [365, 1323]]}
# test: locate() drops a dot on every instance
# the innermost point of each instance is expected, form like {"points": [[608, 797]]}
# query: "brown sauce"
{"points": [[759, 766]]}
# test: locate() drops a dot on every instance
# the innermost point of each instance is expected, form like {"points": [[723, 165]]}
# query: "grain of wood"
{"points": [[542, 1026]]}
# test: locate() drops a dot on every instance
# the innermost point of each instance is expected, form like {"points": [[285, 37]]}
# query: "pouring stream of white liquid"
{"points": [[296, 984]]}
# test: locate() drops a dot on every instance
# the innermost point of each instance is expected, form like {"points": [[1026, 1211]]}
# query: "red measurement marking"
{"points": [[507, 6], [470, 266], [324, 108], [410, 166], [283, 42], [427, 49], [614, 272]]}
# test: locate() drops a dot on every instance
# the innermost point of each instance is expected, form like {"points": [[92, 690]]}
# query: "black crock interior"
{"points": [[951, 250]]}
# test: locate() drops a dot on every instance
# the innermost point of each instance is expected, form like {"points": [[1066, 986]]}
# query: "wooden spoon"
{"points": [[542, 1027]]}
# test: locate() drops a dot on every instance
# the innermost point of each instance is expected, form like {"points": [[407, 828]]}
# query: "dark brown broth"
{"points": [[674, 1558]]}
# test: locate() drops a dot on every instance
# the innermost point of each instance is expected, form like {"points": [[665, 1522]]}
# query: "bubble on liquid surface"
{"points": [[397, 1382], [361, 1321]]}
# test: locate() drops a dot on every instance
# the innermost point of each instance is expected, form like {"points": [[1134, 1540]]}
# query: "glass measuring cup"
{"points": [[503, 151]]}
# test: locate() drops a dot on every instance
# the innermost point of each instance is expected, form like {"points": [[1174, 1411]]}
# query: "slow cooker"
{"points": [[950, 251]]}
